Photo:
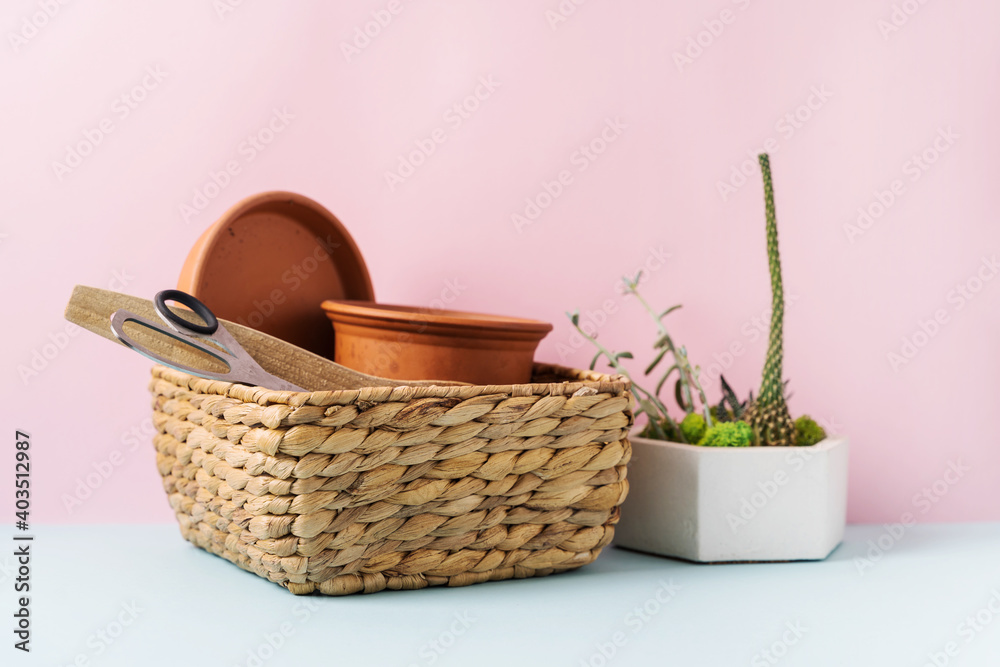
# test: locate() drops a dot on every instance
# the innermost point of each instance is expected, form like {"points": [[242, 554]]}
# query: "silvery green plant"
{"points": [[687, 388], [731, 423]]}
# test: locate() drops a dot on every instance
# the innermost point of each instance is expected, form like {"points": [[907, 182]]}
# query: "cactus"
{"points": [[763, 420], [768, 416]]}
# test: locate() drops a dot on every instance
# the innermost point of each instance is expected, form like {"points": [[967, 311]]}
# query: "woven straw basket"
{"points": [[396, 487]]}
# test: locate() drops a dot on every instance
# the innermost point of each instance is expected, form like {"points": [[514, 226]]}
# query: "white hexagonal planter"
{"points": [[724, 504]]}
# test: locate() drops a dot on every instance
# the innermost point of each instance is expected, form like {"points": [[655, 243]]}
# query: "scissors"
{"points": [[242, 367]]}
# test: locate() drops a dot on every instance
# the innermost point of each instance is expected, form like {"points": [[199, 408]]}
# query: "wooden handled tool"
{"points": [[92, 308]]}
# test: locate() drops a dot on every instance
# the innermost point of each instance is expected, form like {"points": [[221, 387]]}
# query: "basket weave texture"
{"points": [[353, 491]]}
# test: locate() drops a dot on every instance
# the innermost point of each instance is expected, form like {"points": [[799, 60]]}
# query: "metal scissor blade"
{"points": [[91, 308], [121, 317]]}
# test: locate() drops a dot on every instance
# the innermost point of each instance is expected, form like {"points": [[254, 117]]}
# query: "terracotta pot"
{"points": [[407, 343], [270, 260]]}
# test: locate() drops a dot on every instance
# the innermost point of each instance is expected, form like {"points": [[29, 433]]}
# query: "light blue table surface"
{"points": [[140, 595]]}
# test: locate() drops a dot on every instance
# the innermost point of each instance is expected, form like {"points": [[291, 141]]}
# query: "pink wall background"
{"points": [[886, 96]]}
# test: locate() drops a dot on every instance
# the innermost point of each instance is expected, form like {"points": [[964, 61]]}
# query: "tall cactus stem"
{"points": [[772, 388], [768, 415]]}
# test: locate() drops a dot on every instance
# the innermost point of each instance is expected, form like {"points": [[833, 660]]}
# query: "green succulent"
{"points": [[728, 434], [721, 414], [768, 415], [730, 404], [693, 427], [657, 430], [808, 432]]}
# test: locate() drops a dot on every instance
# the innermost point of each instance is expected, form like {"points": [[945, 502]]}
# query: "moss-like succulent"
{"points": [[693, 427], [807, 431], [764, 421], [728, 434]]}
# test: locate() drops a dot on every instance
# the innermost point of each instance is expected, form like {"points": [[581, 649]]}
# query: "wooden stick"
{"points": [[91, 308]]}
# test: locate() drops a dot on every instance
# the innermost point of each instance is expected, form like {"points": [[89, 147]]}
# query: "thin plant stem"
{"points": [[688, 377], [651, 400]]}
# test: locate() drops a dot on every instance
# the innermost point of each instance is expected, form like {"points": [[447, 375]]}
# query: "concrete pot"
{"points": [[726, 504]]}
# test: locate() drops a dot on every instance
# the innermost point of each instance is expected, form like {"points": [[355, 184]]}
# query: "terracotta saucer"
{"points": [[270, 261], [408, 343]]}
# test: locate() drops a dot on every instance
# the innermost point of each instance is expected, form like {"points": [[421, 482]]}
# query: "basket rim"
{"points": [[576, 380]]}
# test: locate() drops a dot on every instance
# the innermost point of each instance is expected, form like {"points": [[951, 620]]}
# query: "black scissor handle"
{"points": [[211, 324]]}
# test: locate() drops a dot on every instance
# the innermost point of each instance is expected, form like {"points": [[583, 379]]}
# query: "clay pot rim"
{"points": [[192, 273], [200, 277], [412, 318]]}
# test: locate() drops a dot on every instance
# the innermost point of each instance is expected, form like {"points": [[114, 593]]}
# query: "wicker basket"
{"points": [[357, 491]]}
